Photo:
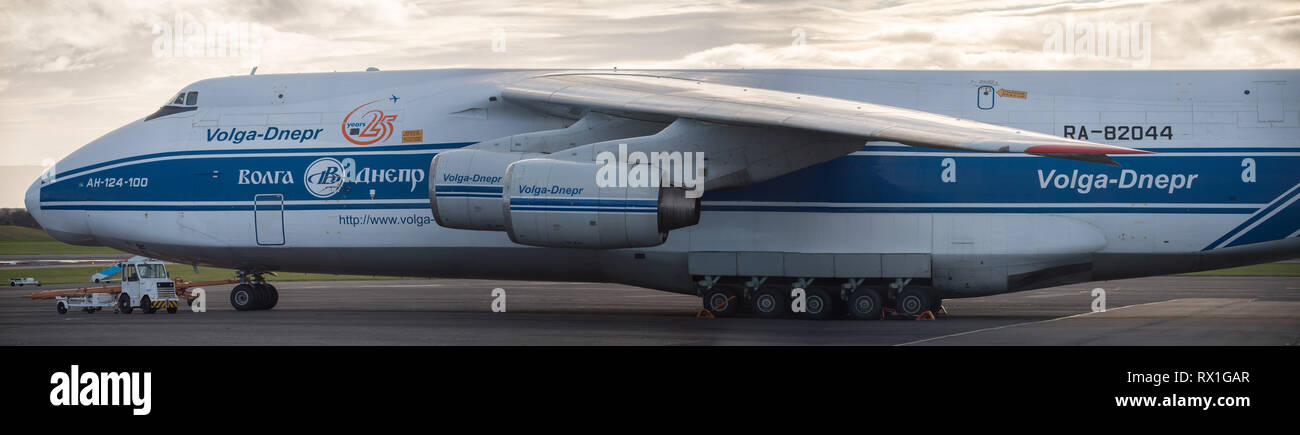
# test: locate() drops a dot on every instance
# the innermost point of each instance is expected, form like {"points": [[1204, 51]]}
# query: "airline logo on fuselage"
{"points": [[529, 189], [235, 135], [475, 178], [326, 176], [1084, 182], [368, 126]]}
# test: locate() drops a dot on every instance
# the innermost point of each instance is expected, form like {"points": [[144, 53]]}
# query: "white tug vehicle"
{"points": [[144, 285]]}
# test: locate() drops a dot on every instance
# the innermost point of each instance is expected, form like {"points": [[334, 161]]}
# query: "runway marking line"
{"points": [[1028, 323]]}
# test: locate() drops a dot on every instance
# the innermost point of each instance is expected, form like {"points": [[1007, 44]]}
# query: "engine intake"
{"points": [[465, 188]]}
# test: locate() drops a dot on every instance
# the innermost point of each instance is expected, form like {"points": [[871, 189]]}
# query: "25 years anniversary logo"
{"points": [[369, 126]]}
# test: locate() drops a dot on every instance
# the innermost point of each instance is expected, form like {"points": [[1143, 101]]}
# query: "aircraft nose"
{"points": [[33, 201], [67, 227]]}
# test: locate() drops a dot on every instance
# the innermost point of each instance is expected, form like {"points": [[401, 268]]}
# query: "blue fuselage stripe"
{"points": [[719, 208], [882, 179], [458, 188], [235, 207], [469, 195], [585, 202], [1259, 214], [586, 209], [322, 150], [1011, 209]]}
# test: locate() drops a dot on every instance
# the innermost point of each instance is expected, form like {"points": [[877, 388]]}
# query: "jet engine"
{"points": [[465, 188], [554, 203]]}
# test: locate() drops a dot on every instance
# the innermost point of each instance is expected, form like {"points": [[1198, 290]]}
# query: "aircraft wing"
{"points": [[638, 94]]}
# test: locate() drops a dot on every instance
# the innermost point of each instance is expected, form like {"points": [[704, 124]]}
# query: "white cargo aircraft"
{"points": [[867, 189]]}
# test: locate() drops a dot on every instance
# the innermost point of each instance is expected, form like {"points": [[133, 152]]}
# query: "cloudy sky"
{"points": [[73, 70]]}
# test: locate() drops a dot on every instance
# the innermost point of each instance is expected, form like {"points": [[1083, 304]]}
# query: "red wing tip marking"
{"points": [[1083, 149]]}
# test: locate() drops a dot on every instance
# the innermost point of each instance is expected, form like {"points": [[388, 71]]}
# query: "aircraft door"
{"points": [[984, 97], [268, 214], [1268, 103]]}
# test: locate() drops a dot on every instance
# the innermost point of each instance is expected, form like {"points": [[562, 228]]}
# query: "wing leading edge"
{"points": [[636, 94]]}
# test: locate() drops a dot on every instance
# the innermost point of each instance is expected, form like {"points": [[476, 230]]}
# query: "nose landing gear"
{"points": [[253, 293]]}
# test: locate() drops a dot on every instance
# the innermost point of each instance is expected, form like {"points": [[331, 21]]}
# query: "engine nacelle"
{"points": [[558, 204], [465, 188]]}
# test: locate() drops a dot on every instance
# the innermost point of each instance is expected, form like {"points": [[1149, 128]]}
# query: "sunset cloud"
{"points": [[73, 70]]}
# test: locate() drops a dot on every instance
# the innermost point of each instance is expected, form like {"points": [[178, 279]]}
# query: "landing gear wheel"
{"points": [[866, 304], [721, 301], [936, 306], [88, 310], [124, 304], [273, 296], [241, 297], [61, 307], [913, 302], [770, 303], [818, 304], [147, 306], [260, 297]]}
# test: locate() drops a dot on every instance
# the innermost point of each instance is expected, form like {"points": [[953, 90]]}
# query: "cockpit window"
{"points": [[184, 102]]}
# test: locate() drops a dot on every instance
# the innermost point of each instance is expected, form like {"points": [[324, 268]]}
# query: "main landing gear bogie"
{"points": [[766, 299], [253, 294]]}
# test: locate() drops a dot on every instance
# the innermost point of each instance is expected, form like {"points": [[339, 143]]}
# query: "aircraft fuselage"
{"points": [[244, 177]]}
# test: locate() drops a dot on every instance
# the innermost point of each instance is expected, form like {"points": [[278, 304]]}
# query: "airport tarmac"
{"points": [[1145, 311]]}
